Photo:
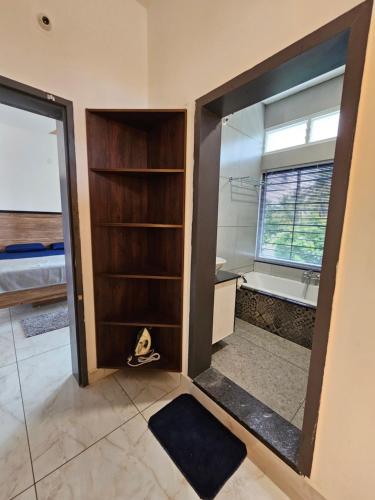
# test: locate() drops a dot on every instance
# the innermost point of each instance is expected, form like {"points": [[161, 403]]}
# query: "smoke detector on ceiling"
{"points": [[45, 22]]}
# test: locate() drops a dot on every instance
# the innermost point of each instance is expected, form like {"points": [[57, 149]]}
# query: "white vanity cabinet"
{"points": [[224, 305]]}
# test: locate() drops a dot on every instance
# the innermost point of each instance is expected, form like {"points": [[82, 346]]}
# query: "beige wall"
{"points": [[96, 56], [197, 45]]}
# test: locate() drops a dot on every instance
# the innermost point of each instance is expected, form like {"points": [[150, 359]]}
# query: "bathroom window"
{"points": [[287, 136], [324, 127], [293, 215], [321, 127]]}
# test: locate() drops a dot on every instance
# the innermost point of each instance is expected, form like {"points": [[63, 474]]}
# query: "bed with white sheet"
{"points": [[32, 260], [32, 272]]}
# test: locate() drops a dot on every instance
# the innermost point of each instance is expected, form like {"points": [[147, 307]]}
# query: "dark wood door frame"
{"points": [[342, 41], [37, 101]]}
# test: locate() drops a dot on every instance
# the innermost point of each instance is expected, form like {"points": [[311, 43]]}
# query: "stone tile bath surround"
{"points": [[288, 319]]}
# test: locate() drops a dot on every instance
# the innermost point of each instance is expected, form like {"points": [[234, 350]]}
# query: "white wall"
{"points": [[291, 273], [96, 56], [241, 154], [194, 47], [319, 98], [29, 169]]}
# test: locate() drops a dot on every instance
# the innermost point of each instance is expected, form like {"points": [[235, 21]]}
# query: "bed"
{"points": [[28, 275]]}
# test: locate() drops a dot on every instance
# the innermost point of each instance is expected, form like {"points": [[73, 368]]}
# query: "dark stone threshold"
{"points": [[222, 276], [274, 431]]}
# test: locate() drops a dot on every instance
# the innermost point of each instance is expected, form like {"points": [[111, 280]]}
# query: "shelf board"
{"points": [[140, 276], [140, 323], [139, 170], [139, 224]]}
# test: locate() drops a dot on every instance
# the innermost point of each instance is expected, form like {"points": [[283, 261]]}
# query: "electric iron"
{"points": [[143, 353]]}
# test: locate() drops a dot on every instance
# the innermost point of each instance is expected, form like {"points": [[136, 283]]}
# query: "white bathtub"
{"points": [[282, 287]]}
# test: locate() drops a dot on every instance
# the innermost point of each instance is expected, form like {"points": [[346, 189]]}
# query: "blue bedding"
{"points": [[26, 255]]}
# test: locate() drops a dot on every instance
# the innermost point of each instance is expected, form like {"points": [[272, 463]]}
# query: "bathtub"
{"points": [[282, 288]]}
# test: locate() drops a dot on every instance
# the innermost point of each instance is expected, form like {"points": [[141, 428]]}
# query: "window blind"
{"points": [[293, 214]]}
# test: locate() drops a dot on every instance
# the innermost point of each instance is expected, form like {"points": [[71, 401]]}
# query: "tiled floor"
{"points": [[60, 441], [270, 368]]}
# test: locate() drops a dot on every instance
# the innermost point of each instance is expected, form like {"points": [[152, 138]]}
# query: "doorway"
{"points": [[339, 43], [37, 226]]}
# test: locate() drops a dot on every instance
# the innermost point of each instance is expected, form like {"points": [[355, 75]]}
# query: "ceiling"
{"points": [[306, 85]]}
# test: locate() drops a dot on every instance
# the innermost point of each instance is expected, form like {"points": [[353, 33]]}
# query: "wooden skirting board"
{"points": [[34, 296]]}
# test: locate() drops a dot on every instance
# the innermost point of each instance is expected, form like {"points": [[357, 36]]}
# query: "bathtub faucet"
{"points": [[311, 277], [243, 277]]}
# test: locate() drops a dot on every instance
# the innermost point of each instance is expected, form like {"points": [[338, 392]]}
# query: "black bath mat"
{"points": [[205, 451]]}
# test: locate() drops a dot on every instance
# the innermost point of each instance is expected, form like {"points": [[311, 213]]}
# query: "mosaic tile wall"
{"points": [[286, 319]]}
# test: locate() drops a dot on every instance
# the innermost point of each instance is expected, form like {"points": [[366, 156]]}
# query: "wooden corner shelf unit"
{"points": [[136, 164]]}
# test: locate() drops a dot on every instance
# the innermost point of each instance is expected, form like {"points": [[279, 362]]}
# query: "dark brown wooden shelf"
{"points": [[118, 343], [140, 276], [136, 163], [140, 323], [141, 251], [138, 170], [140, 224]]}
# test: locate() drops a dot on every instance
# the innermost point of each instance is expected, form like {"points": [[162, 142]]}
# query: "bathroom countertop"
{"points": [[222, 276]]}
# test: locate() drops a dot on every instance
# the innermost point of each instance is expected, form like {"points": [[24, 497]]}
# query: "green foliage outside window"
{"points": [[294, 214]]}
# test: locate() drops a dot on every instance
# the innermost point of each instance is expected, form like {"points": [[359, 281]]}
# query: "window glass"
{"points": [[286, 137], [293, 215], [324, 127]]}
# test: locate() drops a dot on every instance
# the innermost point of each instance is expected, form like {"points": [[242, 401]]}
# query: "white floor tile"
{"points": [[4, 315], [15, 464], [131, 464], [158, 405], [145, 386], [127, 464], [27, 495], [7, 352], [91, 443], [62, 418], [32, 346], [249, 482]]}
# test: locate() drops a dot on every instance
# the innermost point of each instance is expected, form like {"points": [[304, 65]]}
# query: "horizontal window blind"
{"points": [[293, 214]]}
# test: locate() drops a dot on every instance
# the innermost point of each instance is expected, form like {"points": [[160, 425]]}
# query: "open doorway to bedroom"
{"points": [[42, 337], [33, 289], [41, 299]]}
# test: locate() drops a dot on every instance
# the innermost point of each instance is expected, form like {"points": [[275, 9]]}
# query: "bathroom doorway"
{"points": [[302, 260], [276, 166]]}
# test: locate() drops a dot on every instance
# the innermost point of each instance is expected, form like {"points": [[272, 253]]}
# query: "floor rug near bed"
{"points": [[205, 451], [46, 322]]}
